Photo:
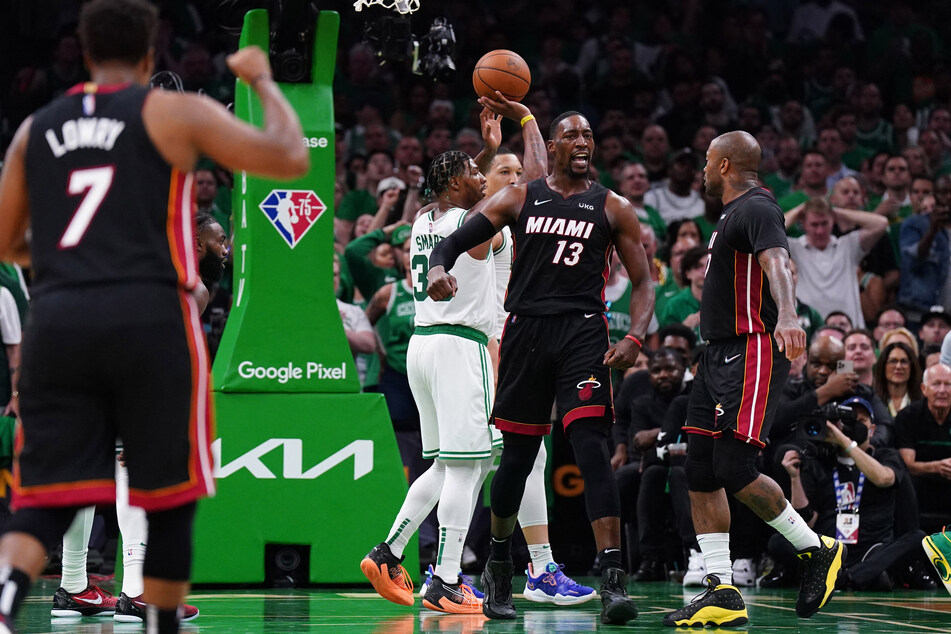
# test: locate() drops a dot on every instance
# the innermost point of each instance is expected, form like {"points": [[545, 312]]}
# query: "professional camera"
{"points": [[436, 49], [814, 434]]}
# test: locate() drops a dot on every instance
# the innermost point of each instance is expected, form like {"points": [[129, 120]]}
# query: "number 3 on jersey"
{"points": [[575, 247], [420, 266], [95, 183]]}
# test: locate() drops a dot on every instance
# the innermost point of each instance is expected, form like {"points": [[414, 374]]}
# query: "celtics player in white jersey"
{"points": [[449, 373], [545, 582]]}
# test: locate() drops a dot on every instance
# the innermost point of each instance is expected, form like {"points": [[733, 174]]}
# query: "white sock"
{"points": [[716, 555], [134, 528], [463, 480], [790, 525], [541, 557], [420, 500], [449, 556], [533, 511], [75, 546]]}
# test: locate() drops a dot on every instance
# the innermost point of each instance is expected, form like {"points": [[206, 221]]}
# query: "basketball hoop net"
{"points": [[403, 7]]}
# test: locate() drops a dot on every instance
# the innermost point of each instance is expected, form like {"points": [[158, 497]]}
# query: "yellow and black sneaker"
{"points": [[721, 605], [820, 570]]}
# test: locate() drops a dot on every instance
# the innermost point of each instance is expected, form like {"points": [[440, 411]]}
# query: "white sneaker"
{"points": [[696, 569], [744, 573]]}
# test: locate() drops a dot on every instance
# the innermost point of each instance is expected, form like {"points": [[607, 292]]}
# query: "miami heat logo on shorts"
{"points": [[586, 388]]}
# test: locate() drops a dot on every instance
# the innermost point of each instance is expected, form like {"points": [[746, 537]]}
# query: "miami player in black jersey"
{"points": [[102, 175], [748, 317], [555, 343]]}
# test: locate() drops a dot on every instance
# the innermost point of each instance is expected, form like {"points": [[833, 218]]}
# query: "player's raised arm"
{"points": [[790, 337], [627, 241], [535, 161], [184, 127]]}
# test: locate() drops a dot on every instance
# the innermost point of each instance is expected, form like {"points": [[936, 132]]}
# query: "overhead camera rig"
{"points": [[392, 39]]}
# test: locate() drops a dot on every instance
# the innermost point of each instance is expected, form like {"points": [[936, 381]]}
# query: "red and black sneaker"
{"points": [[93, 601], [132, 610]]}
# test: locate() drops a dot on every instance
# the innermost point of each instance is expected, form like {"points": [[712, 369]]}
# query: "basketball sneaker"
{"points": [[744, 573], [720, 605], [132, 610], [554, 586], [464, 579], [696, 569], [388, 577], [938, 550], [453, 598], [93, 601], [821, 566], [616, 607], [497, 585]]}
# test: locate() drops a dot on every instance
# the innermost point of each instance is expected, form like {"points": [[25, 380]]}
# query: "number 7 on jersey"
{"points": [[95, 183]]}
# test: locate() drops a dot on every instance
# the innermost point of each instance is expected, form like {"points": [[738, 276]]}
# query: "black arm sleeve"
{"points": [[473, 232]]}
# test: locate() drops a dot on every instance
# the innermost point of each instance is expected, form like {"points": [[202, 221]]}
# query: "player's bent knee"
{"points": [[46, 525], [735, 465], [700, 475], [169, 555]]}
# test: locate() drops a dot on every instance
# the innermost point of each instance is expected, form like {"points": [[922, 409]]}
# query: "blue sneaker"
{"points": [[463, 579], [553, 586]]}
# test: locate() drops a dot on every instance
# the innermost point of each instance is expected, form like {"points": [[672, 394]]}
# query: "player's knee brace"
{"points": [[169, 555], [45, 524], [508, 484], [735, 464], [590, 444], [699, 465]]}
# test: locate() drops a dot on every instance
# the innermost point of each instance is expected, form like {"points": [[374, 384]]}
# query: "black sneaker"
{"points": [[453, 598], [821, 567], [616, 607], [721, 605], [651, 569], [497, 586]]}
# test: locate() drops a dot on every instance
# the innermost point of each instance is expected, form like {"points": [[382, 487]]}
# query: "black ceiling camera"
{"points": [[392, 38], [292, 40]]}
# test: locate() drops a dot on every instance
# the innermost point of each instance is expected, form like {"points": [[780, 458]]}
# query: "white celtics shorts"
{"points": [[450, 375]]}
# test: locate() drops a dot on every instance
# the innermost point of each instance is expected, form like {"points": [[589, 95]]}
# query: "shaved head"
{"points": [[732, 164], [741, 148]]}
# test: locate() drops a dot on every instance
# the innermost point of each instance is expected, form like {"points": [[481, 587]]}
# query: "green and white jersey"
{"points": [[503, 270], [474, 305]]}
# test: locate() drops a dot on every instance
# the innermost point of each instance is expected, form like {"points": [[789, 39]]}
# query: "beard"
{"points": [[211, 268]]}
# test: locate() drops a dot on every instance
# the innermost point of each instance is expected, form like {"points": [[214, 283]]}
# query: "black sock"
{"points": [[501, 549], [16, 582], [610, 558], [159, 621]]}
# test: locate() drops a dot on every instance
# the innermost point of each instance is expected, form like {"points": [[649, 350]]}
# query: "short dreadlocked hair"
{"points": [[444, 167]]}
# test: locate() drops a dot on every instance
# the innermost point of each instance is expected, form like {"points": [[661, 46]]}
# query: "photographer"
{"points": [[824, 382], [842, 485], [925, 252]]}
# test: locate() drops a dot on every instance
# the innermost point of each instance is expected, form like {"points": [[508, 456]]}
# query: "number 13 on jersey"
{"points": [[570, 260]]}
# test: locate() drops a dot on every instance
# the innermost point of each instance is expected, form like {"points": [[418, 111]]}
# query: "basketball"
{"points": [[504, 71]]}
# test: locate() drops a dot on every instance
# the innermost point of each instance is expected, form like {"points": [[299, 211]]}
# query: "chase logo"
{"points": [[292, 212]]}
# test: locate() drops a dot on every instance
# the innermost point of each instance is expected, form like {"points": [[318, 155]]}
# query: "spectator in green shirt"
{"points": [[844, 119], [812, 181], [633, 185], [788, 159], [684, 307]]}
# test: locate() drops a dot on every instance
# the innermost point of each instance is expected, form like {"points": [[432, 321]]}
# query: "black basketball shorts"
{"points": [[737, 389], [114, 362], [544, 359]]}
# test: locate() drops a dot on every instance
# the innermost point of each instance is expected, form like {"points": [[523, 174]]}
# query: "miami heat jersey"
{"points": [[736, 297], [562, 246], [87, 152]]}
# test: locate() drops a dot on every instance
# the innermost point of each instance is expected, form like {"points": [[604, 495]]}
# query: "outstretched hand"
{"points": [[491, 130], [500, 105]]}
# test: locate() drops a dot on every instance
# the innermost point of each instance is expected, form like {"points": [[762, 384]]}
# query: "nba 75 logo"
{"points": [[292, 212]]}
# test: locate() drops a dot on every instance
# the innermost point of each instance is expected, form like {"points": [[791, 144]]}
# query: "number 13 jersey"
{"points": [[561, 254], [88, 154], [474, 304]]}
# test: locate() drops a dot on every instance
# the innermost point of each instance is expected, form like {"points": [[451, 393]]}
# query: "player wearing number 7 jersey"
{"points": [[555, 342], [114, 347]]}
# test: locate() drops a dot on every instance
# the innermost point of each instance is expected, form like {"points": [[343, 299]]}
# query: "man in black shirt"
{"points": [[923, 430], [748, 316], [555, 343], [845, 486]]}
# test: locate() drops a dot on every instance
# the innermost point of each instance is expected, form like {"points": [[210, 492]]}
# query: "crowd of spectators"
{"points": [[851, 104]]}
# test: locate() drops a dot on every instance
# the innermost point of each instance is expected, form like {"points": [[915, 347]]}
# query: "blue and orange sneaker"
{"points": [[554, 586], [463, 579]]}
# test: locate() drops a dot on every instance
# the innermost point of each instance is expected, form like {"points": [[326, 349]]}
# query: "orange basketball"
{"points": [[504, 71]]}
